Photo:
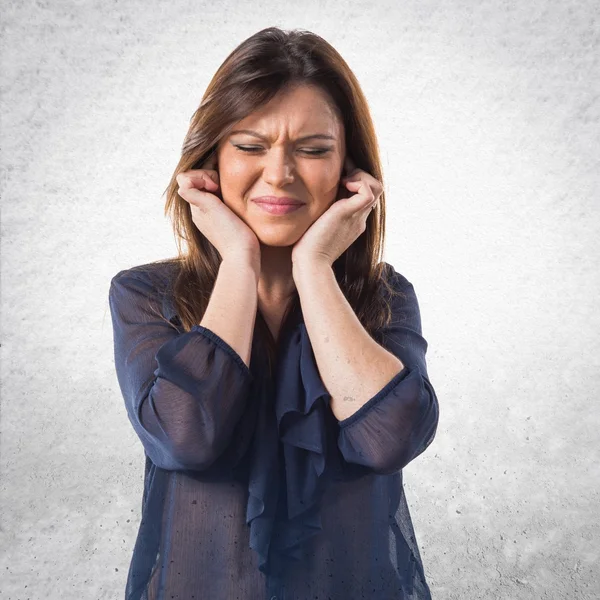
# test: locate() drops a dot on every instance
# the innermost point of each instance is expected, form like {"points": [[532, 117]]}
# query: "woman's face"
{"points": [[282, 164]]}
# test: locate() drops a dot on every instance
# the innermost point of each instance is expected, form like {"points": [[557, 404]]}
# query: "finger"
{"points": [[363, 197], [197, 177], [198, 198], [370, 208], [355, 176], [362, 186]]}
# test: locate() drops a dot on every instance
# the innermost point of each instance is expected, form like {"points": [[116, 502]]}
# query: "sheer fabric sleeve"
{"points": [[184, 392], [400, 421]]}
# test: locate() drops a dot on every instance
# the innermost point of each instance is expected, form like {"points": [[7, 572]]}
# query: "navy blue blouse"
{"points": [[252, 488]]}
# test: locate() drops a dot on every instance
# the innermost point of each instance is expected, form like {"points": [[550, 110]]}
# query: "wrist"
{"points": [[244, 261], [308, 264], [302, 269]]}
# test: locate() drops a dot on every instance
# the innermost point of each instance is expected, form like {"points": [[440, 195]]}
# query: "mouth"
{"points": [[279, 209], [278, 200]]}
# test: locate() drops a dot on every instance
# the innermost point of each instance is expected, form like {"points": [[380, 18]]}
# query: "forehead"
{"points": [[297, 110]]}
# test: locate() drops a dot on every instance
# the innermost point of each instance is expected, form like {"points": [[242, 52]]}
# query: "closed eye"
{"points": [[313, 151]]}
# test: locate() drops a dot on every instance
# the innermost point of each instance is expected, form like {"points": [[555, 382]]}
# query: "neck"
{"points": [[276, 282]]}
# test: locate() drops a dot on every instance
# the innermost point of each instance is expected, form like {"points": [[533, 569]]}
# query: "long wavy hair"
{"points": [[254, 72]]}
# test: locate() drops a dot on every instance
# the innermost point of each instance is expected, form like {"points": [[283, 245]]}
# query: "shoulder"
{"points": [[402, 314], [148, 285], [157, 275], [396, 280], [399, 294]]}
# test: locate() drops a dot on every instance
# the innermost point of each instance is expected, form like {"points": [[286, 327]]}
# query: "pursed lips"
{"points": [[277, 200]]}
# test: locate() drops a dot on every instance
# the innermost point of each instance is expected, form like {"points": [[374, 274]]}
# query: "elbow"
{"points": [[194, 451], [396, 430], [184, 441], [173, 455], [407, 452], [420, 435]]}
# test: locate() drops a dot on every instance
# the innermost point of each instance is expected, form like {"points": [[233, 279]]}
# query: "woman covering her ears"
{"points": [[275, 370]]}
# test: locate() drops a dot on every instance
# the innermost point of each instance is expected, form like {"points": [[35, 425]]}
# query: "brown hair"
{"points": [[260, 67]]}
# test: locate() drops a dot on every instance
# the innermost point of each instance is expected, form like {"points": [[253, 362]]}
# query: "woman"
{"points": [[275, 371]]}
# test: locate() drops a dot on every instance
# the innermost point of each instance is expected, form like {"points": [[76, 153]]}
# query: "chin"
{"points": [[276, 242], [280, 239]]}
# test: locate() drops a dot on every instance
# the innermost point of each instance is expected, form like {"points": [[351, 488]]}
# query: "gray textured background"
{"points": [[488, 119]]}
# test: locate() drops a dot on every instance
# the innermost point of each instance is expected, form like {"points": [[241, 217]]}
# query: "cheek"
{"points": [[329, 188], [321, 183], [231, 167], [235, 181], [234, 172]]}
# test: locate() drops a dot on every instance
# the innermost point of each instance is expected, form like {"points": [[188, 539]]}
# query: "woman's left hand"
{"points": [[341, 224]]}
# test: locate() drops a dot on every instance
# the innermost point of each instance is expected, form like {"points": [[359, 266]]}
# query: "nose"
{"points": [[278, 168]]}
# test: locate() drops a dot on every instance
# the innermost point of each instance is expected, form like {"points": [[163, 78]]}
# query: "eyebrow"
{"points": [[314, 136]]}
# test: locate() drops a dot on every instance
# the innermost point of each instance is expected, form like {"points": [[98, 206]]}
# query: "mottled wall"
{"points": [[488, 119]]}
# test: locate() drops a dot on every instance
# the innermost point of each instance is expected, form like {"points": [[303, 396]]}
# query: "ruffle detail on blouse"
{"points": [[302, 429], [263, 490], [264, 478], [286, 474]]}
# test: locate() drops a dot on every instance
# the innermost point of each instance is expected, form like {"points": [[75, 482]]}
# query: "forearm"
{"points": [[231, 310], [352, 365]]}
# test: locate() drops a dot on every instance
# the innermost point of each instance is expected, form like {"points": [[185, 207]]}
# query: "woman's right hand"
{"points": [[221, 226]]}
